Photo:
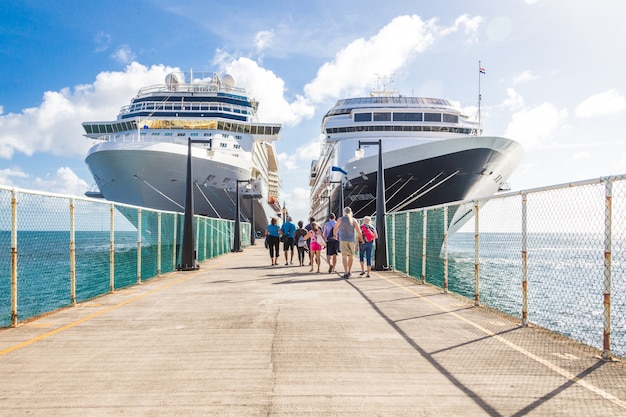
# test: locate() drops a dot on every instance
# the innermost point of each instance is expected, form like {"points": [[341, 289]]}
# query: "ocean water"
{"points": [[565, 278], [565, 275], [44, 268]]}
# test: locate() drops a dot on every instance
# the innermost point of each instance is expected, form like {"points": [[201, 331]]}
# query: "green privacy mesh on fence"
{"points": [[554, 257], [59, 250]]}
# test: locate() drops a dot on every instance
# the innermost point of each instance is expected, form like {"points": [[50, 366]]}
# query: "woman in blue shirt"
{"points": [[273, 239]]}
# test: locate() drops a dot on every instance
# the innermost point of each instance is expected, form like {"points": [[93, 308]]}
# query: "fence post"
{"points": [[159, 243], [393, 240], [112, 249], [72, 255], [524, 260], [608, 216], [13, 258], [139, 246], [205, 221], [476, 256], [424, 225], [407, 243], [445, 249], [174, 247]]}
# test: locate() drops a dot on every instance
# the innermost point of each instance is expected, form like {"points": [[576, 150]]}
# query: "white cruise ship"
{"points": [[432, 154], [141, 157]]}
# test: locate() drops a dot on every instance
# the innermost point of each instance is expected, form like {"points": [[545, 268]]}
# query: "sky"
{"points": [[554, 74]]}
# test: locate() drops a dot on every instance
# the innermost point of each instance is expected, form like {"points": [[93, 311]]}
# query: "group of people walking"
{"points": [[344, 235]]}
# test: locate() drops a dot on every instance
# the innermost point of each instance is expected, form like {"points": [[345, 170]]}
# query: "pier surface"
{"points": [[240, 337]]}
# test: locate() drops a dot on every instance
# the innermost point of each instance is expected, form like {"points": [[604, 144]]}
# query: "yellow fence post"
{"points": [[476, 257], [72, 255], [13, 258], [608, 216]]}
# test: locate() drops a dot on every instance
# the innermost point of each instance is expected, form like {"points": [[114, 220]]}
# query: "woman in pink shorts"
{"points": [[317, 244]]}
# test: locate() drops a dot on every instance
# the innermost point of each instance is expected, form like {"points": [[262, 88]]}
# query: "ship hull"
{"points": [[153, 175], [425, 175]]}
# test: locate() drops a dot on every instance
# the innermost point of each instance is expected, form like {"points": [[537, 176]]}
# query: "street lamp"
{"points": [[381, 260], [237, 234], [188, 258]]}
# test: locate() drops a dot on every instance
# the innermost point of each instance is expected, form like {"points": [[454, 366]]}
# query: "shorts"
{"points": [[332, 247], [347, 248], [315, 246], [289, 244]]}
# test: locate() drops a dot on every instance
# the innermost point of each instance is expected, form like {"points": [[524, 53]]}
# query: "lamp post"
{"points": [[237, 233], [188, 258], [252, 233], [381, 259]]}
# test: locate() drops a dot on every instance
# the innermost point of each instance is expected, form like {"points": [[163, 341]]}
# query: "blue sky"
{"points": [[554, 74]]}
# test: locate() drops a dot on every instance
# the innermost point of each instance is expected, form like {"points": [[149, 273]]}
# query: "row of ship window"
{"points": [[404, 128], [180, 107], [406, 117], [232, 127]]}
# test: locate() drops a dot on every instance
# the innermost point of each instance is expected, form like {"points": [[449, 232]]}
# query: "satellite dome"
{"points": [[173, 79], [228, 80]]}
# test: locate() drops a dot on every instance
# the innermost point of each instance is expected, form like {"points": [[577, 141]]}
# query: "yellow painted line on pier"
{"points": [[548, 364], [99, 313]]}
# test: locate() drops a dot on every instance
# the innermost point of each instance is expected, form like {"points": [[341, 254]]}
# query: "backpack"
{"points": [[368, 234], [301, 242]]}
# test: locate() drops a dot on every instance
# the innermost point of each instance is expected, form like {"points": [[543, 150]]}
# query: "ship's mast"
{"points": [[481, 71]]}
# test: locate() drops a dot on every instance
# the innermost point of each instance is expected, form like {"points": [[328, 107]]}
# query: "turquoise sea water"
{"points": [[44, 268], [565, 276]]}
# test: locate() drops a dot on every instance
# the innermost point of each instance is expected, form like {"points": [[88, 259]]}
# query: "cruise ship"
{"points": [[432, 154], [140, 158]]}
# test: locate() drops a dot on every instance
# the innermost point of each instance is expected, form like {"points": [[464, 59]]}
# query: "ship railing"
{"points": [[61, 250], [551, 257], [193, 88]]}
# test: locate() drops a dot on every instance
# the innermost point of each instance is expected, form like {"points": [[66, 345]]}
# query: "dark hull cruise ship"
{"points": [[432, 154]]}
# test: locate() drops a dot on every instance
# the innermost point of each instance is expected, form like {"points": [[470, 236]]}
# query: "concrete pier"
{"points": [[240, 337]]}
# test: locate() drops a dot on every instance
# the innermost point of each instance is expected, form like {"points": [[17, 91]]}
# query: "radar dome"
{"points": [[173, 79], [228, 80]]}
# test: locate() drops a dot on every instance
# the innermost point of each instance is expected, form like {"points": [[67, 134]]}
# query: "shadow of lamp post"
{"points": [[188, 257], [381, 259]]}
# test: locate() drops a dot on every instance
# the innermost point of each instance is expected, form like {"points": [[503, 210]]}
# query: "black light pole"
{"points": [[237, 233], [381, 259], [252, 233], [188, 258]]}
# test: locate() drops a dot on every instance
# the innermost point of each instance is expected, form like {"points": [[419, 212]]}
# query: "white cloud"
{"points": [[268, 89], [602, 104], [514, 100], [263, 39], [581, 156], [286, 162], [354, 67], [124, 55], [55, 125], [532, 126], [7, 174], [297, 202], [64, 181], [102, 41], [524, 77]]}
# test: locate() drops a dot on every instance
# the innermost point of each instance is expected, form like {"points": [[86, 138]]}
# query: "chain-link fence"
{"points": [[554, 257], [57, 250]]}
